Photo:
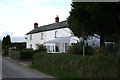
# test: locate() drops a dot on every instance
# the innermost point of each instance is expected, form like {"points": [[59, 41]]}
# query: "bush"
{"points": [[41, 48], [6, 49], [100, 51], [111, 47], [75, 49], [78, 49], [15, 55], [26, 54]]}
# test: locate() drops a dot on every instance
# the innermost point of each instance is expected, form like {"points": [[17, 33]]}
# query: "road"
{"points": [[0, 65], [13, 69]]}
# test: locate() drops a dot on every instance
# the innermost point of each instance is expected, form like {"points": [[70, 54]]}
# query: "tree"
{"points": [[6, 41], [78, 20], [104, 19], [117, 28], [101, 20]]}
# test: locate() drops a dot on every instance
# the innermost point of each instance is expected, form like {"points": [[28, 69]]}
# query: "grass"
{"points": [[57, 74]]}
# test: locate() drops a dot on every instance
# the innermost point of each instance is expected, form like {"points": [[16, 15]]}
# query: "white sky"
{"points": [[17, 17]]}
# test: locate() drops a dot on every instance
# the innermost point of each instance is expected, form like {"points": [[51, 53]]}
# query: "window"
{"points": [[52, 48], [48, 49], [66, 47], [30, 37], [57, 47], [41, 36], [37, 46], [62, 46], [56, 34], [30, 45]]}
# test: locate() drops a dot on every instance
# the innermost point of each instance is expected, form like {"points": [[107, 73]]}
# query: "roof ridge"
{"points": [[51, 23], [48, 27]]}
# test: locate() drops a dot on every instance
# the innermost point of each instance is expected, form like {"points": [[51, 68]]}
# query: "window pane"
{"points": [[41, 35], [30, 37], [56, 34], [63, 46], [30, 45], [48, 49], [66, 46], [57, 47]]}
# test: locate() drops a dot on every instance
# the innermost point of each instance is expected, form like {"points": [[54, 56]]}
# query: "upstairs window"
{"points": [[56, 34], [30, 37], [41, 36]]}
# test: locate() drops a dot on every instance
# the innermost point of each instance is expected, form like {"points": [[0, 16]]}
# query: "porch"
{"points": [[58, 45]]}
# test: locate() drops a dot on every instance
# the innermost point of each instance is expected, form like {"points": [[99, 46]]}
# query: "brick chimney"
{"points": [[57, 19], [35, 25]]}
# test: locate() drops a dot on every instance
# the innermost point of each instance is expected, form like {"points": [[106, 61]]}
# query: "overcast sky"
{"points": [[17, 17]]}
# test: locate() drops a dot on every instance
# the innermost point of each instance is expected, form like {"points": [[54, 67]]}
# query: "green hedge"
{"points": [[15, 55], [84, 67], [26, 54]]}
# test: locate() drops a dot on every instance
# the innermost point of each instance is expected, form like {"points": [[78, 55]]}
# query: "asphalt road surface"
{"points": [[13, 69], [0, 65]]}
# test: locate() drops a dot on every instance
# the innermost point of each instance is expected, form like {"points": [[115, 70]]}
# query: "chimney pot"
{"points": [[57, 19], [35, 25]]}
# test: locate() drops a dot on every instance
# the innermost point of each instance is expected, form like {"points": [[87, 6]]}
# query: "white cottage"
{"points": [[56, 37]]}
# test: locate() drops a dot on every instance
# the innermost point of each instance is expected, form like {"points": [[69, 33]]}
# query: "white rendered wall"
{"points": [[47, 35], [36, 39]]}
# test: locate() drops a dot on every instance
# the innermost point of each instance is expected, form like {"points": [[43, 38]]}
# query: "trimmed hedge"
{"points": [[84, 67], [26, 54]]}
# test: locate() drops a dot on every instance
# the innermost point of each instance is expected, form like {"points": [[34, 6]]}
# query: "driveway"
{"points": [[13, 69]]}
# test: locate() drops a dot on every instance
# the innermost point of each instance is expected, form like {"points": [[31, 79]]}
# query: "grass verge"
{"points": [[55, 73]]}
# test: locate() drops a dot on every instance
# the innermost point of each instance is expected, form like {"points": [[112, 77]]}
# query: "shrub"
{"points": [[100, 51], [26, 54], [41, 48], [15, 55], [111, 47], [75, 49], [6, 49], [78, 49]]}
